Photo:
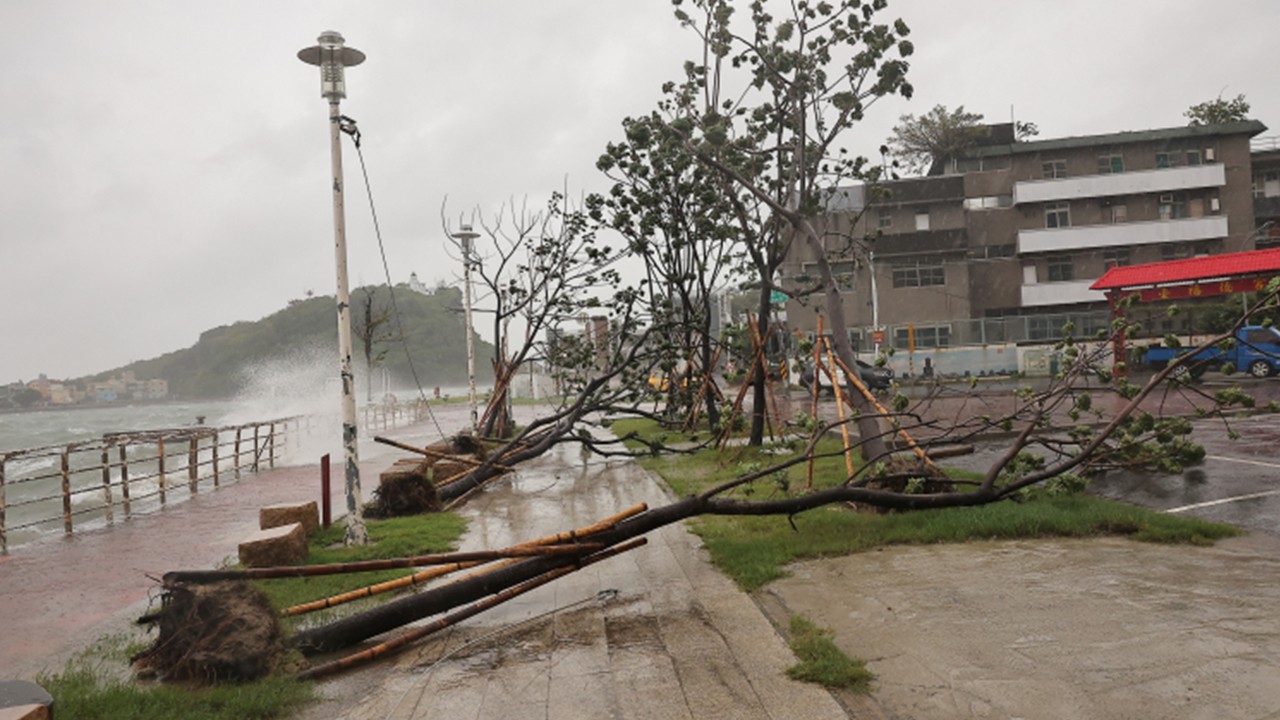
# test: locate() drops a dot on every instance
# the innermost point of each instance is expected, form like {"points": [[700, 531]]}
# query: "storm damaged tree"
{"points": [[921, 144], [538, 269], [671, 212], [766, 108]]}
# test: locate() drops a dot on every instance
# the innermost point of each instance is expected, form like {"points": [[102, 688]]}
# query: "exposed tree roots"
{"points": [[225, 631]]}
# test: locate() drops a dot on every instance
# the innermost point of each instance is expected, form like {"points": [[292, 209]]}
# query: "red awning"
{"points": [[1199, 269]]}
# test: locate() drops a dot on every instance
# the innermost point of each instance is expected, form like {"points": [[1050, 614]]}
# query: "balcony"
{"points": [[1060, 293], [1121, 234], [1124, 183]]}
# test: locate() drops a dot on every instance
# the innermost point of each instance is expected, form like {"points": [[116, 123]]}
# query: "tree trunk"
{"points": [[759, 400]]}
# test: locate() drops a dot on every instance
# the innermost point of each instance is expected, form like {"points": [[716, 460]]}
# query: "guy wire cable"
{"points": [[348, 126]]}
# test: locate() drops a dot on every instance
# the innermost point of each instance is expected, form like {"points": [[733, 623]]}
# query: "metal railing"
{"points": [[127, 473]]}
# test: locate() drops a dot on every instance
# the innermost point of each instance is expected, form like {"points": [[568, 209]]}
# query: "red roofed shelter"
{"points": [[1189, 278]]}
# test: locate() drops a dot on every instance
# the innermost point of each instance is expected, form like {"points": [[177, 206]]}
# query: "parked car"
{"points": [[873, 376], [1256, 350]]}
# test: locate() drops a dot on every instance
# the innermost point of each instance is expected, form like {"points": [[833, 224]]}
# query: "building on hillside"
{"points": [[1001, 244]]}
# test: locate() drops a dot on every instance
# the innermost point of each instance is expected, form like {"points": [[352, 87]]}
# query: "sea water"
{"points": [[43, 428]]}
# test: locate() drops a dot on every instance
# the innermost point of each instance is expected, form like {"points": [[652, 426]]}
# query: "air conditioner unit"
{"points": [[1214, 204], [1208, 154]]}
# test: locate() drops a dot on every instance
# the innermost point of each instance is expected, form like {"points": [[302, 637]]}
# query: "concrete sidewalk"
{"points": [[678, 640]]}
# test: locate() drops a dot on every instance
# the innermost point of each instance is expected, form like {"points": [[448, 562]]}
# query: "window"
{"points": [[884, 218], [1054, 169], [922, 220], [1061, 268], [929, 336], [1173, 206], [842, 270], [987, 252], [1108, 164], [1193, 157], [1164, 160], [920, 273], [1181, 251], [1057, 215], [1115, 258], [1119, 214], [988, 202]]}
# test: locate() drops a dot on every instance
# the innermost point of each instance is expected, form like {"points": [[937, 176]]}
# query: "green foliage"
{"points": [[1218, 111], [822, 662], [936, 136]]}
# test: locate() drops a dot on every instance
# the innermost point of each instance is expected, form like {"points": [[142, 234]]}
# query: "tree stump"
{"points": [[284, 545], [305, 514]]}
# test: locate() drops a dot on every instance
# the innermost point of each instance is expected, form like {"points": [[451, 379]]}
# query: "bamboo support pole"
{"points": [[871, 397], [124, 480], [494, 600], [106, 485], [291, 571], [434, 453], [763, 364], [66, 490], [844, 426], [442, 570]]}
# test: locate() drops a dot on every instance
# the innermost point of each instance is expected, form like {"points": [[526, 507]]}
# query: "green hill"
{"points": [[219, 364]]}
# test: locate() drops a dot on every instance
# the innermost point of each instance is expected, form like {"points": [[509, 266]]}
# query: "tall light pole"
{"points": [[332, 58], [466, 237]]}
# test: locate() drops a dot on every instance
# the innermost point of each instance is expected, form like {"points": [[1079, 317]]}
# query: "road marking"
{"points": [[1223, 501], [1242, 460]]}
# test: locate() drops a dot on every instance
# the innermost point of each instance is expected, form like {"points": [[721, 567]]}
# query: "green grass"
{"points": [[96, 685], [753, 550], [822, 662], [394, 537]]}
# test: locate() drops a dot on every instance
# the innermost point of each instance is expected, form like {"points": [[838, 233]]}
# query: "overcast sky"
{"points": [[164, 164]]}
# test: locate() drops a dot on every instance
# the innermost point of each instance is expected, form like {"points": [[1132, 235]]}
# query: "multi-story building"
{"points": [[1001, 244]]}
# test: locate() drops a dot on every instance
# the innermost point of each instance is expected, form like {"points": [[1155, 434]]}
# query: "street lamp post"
{"points": [[466, 238], [333, 57]]}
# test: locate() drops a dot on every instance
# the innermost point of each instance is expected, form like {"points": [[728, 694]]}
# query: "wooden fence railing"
{"points": [[131, 472], [125, 473]]}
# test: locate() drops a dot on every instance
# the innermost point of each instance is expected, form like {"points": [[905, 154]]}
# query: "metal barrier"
{"points": [[128, 473]]}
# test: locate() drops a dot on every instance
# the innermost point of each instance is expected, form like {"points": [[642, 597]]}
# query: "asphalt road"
{"points": [[1238, 483]]}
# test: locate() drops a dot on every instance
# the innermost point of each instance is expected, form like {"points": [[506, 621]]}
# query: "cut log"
{"points": [[284, 545], [305, 514]]}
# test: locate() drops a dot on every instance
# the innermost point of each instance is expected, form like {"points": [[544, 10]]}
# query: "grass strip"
{"points": [[753, 550], [823, 663]]}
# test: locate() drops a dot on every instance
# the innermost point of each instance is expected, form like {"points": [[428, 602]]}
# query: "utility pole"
{"points": [[466, 238], [332, 57]]}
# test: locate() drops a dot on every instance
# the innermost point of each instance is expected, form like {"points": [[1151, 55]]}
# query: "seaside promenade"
{"points": [[58, 594]]}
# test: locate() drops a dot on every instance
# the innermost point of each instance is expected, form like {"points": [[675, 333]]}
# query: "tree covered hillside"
{"points": [[218, 365]]}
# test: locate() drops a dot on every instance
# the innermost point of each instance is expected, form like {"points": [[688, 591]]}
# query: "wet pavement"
{"points": [[654, 633], [1091, 629], [59, 594]]}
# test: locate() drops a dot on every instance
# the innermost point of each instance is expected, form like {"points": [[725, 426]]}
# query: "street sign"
{"points": [[777, 298]]}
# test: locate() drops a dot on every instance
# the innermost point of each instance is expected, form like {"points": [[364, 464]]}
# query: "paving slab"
{"points": [[1098, 629], [656, 633]]}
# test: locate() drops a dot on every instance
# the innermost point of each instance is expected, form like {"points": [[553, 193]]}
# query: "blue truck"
{"points": [[1256, 350]]}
